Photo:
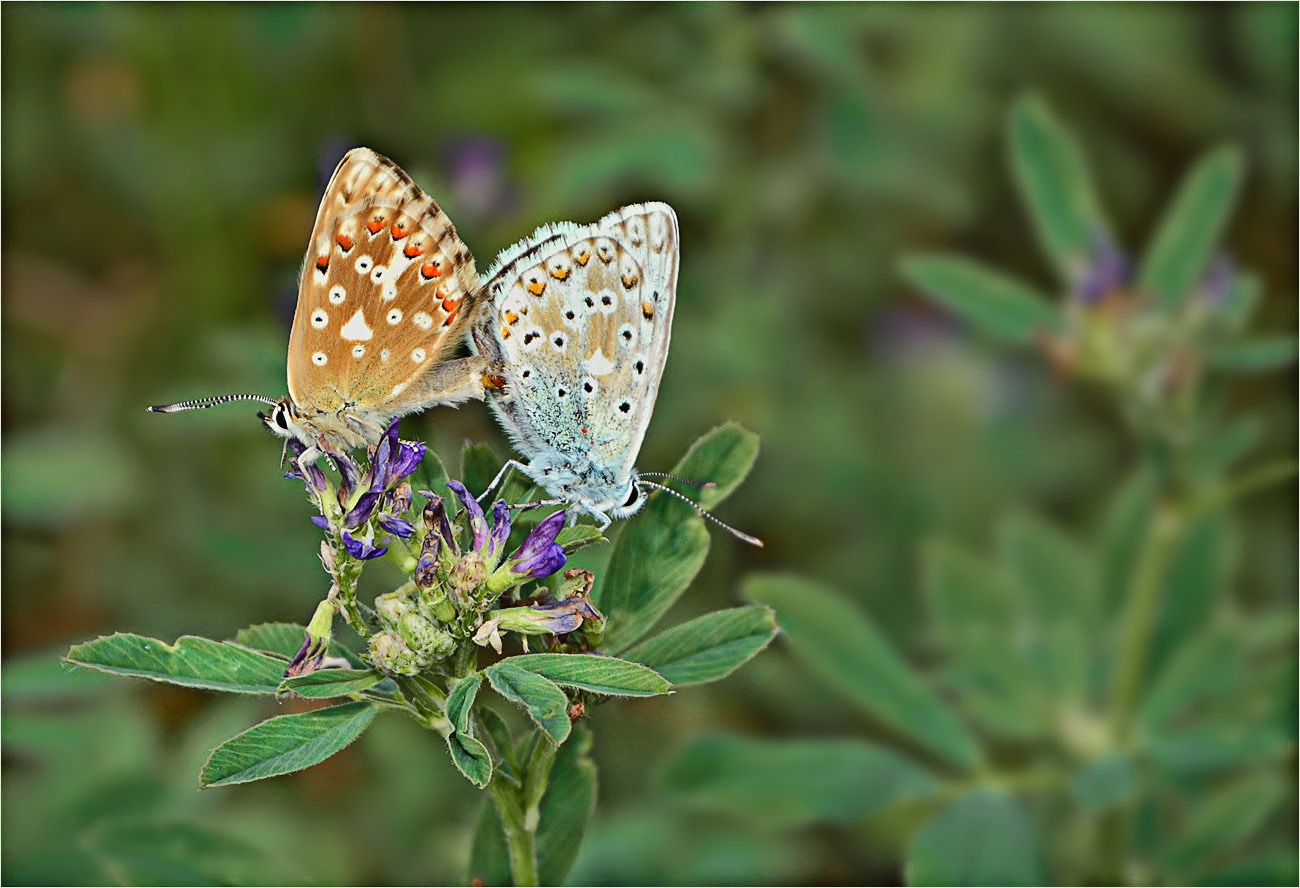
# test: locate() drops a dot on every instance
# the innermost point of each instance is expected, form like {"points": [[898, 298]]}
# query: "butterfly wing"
{"points": [[387, 290], [580, 320]]}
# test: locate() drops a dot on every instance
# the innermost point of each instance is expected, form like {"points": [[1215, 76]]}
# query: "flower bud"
{"points": [[390, 653]]}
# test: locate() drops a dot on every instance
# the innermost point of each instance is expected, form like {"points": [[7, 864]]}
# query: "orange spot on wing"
{"points": [[505, 332], [629, 281], [412, 250], [560, 274], [582, 258], [430, 269], [647, 310], [375, 225], [343, 241], [449, 305], [399, 230], [450, 318], [536, 287], [322, 263], [511, 317]]}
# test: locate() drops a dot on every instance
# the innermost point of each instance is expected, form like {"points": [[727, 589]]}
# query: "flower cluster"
{"points": [[462, 581]]}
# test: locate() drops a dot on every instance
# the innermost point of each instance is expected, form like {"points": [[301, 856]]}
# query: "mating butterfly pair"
{"points": [[569, 334]]}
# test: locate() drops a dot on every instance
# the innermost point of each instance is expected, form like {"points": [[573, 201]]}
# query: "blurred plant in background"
{"points": [[158, 186], [1135, 772]]}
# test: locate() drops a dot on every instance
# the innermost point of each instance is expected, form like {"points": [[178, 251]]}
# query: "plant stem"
{"points": [[519, 839], [1143, 605]]}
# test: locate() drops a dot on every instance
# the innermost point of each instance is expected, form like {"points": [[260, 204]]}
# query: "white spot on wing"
{"points": [[356, 327], [418, 356], [598, 364], [319, 319], [338, 294], [319, 359], [358, 351], [422, 319]]}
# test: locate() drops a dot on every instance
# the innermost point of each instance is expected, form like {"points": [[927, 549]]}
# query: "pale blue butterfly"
{"points": [[577, 320]]}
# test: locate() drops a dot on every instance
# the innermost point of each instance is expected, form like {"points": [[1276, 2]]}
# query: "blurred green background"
{"points": [[161, 168]]}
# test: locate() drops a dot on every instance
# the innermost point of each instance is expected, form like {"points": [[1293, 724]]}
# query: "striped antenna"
{"points": [[753, 541], [205, 403], [707, 484]]}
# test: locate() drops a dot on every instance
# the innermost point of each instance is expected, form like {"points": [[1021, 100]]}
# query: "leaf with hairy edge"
{"points": [[1054, 182], [285, 744], [988, 300], [579, 536], [193, 662], [544, 701], [709, 647], [724, 457], [845, 649], [470, 757], [1174, 265], [792, 783], [326, 683], [591, 672], [461, 700]]}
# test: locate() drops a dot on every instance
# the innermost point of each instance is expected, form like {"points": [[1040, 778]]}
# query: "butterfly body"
{"points": [[578, 319], [387, 291]]}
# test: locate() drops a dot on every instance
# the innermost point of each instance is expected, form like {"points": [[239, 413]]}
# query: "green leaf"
{"points": [[193, 662], [1054, 182], [566, 809], [431, 474], [1264, 355], [590, 672], [657, 555], [843, 648], [285, 744], [326, 683], [1176, 259], [984, 838], [478, 466], [969, 598], [793, 783], [579, 536], [653, 561], [545, 702], [723, 456], [168, 852], [461, 700], [1244, 296], [1105, 783], [496, 728], [709, 647], [470, 757], [1229, 816], [1124, 525], [1059, 582], [489, 857], [988, 300]]}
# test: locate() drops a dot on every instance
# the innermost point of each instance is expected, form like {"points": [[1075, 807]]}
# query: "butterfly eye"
{"points": [[280, 418], [632, 497]]}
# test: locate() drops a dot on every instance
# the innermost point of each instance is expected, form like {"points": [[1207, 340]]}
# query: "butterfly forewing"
{"points": [[581, 318], [387, 290]]}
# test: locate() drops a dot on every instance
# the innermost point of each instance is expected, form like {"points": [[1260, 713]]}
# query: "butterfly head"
{"points": [[283, 420]]}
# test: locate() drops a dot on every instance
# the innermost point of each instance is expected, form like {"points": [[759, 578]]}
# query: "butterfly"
{"points": [[387, 291], [577, 319]]}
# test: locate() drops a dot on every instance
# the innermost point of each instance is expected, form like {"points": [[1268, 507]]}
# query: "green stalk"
{"points": [[520, 841], [1143, 606]]}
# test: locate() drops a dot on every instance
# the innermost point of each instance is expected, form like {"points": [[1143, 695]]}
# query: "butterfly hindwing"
{"points": [[387, 290], [580, 321]]}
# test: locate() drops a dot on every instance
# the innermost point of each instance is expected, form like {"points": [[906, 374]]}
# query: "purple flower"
{"points": [[405, 461], [1218, 280], [500, 528], [320, 521], [360, 549], [1109, 270], [435, 519], [397, 526], [477, 522], [359, 514], [540, 556], [314, 477]]}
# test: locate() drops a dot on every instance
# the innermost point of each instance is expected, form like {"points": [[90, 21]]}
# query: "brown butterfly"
{"points": [[387, 291]]}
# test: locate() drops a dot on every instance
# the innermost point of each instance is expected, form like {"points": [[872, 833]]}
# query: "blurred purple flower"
{"points": [[1219, 279], [1108, 270]]}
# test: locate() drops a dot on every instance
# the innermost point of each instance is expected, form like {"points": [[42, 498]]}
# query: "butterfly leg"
{"points": [[510, 464]]}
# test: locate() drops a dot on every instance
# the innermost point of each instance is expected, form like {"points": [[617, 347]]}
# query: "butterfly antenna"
{"points": [[706, 484], [753, 541], [205, 403]]}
